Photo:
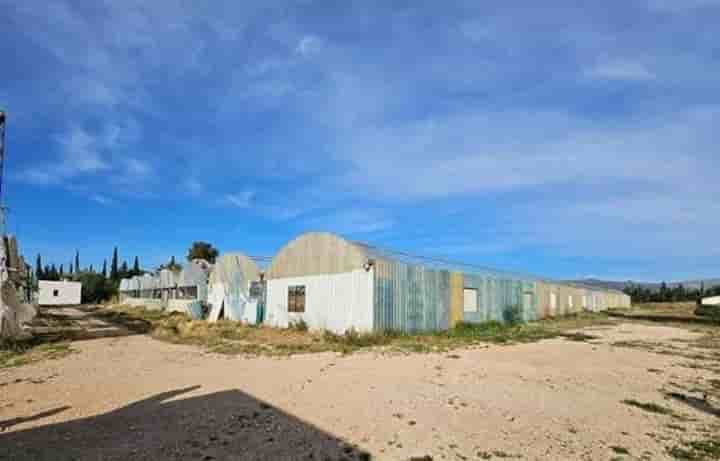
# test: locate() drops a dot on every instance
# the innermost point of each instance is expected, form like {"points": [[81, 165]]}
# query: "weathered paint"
{"points": [[501, 299], [334, 302], [229, 288], [410, 298], [456, 299]]}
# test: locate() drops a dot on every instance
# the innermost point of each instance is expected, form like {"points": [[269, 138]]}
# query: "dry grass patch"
{"points": [[230, 337], [18, 353]]}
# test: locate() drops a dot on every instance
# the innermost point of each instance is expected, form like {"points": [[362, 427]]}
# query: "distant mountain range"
{"points": [[654, 286]]}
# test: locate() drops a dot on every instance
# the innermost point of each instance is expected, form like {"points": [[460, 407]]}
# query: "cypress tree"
{"points": [[136, 267], [77, 261], [62, 272], [104, 271], [114, 265], [71, 268], [38, 268], [124, 269]]}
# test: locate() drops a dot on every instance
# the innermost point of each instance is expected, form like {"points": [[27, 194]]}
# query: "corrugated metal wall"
{"points": [[410, 298], [501, 299]]}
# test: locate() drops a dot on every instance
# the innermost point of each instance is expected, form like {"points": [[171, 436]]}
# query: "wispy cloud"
{"points": [[308, 45], [351, 222], [101, 199], [242, 199], [620, 70], [193, 186]]}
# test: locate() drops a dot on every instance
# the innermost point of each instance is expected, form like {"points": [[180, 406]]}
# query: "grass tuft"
{"points": [[18, 353]]}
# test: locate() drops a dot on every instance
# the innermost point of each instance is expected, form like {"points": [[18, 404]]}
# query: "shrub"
{"points": [[298, 325]]}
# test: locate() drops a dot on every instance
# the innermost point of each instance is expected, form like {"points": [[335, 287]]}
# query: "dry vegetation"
{"points": [[17, 353], [229, 337]]}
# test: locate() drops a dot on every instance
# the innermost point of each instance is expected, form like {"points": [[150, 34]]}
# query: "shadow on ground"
{"points": [[228, 425], [698, 404]]}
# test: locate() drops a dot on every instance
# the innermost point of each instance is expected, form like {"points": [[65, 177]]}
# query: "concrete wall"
{"points": [[334, 302], [52, 293]]}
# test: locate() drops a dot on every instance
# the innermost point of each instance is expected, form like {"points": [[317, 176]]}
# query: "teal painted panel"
{"points": [[410, 298], [501, 299]]}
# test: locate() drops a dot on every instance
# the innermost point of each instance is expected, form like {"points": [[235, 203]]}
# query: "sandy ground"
{"points": [[137, 398]]}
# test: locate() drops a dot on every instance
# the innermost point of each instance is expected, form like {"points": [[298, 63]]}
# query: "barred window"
{"points": [[296, 298]]}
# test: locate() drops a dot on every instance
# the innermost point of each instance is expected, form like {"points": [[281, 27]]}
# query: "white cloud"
{"points": [[676, 6], [137, 167], [242, 199], [620, 70], [351, 221], [81, 152], [308, 45], [101, 199], [193, 186]]}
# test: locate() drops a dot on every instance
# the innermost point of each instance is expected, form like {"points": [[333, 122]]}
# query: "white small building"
{"points": [[711, 301], [52, 293]]}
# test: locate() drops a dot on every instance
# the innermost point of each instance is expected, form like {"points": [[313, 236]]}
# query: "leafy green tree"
{"points": [[202, 250], [95, 287]]}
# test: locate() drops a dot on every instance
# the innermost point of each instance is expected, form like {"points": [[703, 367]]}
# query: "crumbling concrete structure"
{"points": [[15, 312]]}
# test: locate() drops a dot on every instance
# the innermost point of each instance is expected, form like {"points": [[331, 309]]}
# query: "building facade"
{"points": [[334, 284], [59, 293]]}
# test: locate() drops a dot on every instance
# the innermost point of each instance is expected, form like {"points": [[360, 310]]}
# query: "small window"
{"points": [[470, 300], [296, 298], [256, 290], [56, 293]]}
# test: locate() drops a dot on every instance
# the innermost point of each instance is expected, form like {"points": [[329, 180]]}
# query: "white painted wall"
{"points": [[52, 293], [335, 302], [711, 301]]}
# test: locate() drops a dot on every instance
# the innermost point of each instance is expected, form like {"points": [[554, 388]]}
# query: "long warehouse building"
{"points": [[334, 284]]}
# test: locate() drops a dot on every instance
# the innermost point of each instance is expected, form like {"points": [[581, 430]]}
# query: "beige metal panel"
{"points": [[456, 314], [317, 253]]}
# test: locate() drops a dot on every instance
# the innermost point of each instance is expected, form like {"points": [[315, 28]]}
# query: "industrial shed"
{"points": [[229, 289], [334, 284], [183, 291]]}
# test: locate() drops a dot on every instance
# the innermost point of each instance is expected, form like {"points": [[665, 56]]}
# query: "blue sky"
{"points": [[559, 139]]}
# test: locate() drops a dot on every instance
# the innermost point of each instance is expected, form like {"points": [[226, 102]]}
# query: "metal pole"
{"points": [[2, 149], [2, 164]]}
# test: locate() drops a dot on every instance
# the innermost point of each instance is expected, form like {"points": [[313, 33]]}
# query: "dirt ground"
{"points": [[133, 397]]}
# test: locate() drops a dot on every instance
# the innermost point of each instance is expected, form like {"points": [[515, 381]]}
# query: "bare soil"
{"points": [[617, 391]]}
